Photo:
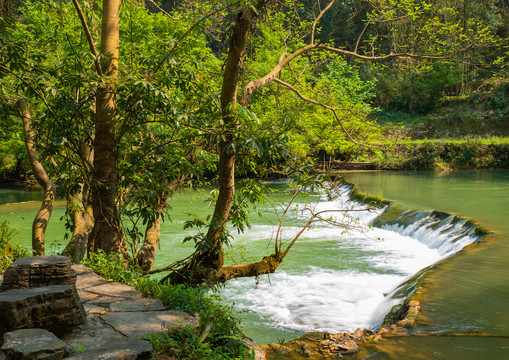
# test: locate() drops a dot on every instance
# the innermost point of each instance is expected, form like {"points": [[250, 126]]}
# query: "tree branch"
{"points": [[330, 108], [313, 27], [88, 35]]}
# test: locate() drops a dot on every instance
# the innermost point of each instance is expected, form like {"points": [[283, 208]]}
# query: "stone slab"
{"points": [[97, 340], [94, 309], [136, 324], [93, 334], [124, 349], [134, 305], [33, 344], [86, 296], [115, 290], [89, 279], [105, 301]]}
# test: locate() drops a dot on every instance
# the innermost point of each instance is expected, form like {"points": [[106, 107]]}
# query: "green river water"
{"points": [[469, 291]]}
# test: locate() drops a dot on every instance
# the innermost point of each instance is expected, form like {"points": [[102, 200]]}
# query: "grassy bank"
{"points": [[442, 153]]}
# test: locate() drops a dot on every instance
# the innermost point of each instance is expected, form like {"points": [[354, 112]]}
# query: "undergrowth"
{"points": [[219, 334], [8, 252]]}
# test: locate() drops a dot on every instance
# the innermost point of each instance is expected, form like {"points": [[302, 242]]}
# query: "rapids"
{"points": [[340, 281]]}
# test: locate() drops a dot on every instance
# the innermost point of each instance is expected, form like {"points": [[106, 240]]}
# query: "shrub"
{"points": [[9, 253], [113, 268]]}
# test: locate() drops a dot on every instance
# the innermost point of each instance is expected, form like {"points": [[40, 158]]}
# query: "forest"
{"points": [[116, 106]]}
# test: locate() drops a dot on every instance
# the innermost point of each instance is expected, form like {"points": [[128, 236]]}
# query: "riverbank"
{"points": [[429, 154]]}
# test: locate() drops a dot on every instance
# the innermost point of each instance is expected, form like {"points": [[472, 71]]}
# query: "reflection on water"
{"points": [[19, 194], [446, 347]]}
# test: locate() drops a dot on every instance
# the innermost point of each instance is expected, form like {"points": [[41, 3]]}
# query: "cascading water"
{"points": [[336, 281]]}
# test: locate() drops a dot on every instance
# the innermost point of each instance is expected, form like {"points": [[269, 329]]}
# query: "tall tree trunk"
{"points": [[107, 232], [205, 263], [44, 214]]}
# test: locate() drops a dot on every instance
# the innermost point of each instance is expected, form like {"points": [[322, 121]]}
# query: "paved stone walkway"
{"points": [[118, 317]]}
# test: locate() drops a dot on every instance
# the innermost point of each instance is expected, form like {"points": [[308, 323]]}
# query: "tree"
{"points": [[107, 233], [44, 214], [208, 260], [139, 119]]}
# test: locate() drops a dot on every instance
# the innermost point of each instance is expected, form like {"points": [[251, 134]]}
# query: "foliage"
{"points": [[113, 268], [218, 336], [9, 253], [455, 154], [168, 114]]}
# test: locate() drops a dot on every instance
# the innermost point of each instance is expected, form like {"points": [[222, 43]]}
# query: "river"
{"points": [[338, 281]]}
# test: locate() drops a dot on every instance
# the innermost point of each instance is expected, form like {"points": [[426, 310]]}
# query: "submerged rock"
{"points": [[318, 345]]}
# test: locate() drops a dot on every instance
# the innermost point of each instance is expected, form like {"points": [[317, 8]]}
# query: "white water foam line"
{"points": [[328, 299]]}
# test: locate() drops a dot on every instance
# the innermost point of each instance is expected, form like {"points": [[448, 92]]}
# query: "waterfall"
{"points": [[340, 281]]}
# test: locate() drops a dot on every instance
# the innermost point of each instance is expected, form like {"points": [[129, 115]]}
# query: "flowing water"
{"points": [[337, 281]]}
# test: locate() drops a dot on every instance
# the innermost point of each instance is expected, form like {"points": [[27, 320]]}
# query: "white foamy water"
{"points": [[336, 281]]}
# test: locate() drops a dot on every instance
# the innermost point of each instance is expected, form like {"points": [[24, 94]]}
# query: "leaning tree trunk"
{"points": [[82, 216], [147, 253], [82, 224], [44, 214], [107, 232], [205, 263]]}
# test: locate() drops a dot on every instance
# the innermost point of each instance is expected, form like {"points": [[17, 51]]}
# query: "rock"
{"points": [[345, 347], [412, 309], [307, 350], [115, 290], [33, 344], [38, 271], [55, 308], [122, 349], [136, 324], [357, 334], [136, 305], [259, 354]]}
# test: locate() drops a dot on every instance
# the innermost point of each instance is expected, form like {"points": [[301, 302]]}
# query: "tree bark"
{"points": [[83, 222], [44, 214], [147, 253], [107, 232], [267, 265]]}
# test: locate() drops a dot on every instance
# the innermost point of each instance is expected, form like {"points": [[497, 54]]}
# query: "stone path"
{"points": [[118, 317]]}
